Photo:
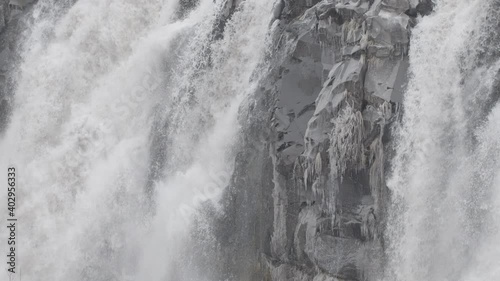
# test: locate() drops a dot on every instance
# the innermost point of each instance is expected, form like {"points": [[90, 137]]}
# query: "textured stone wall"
{"points": [[336, 97], [319, 143]]}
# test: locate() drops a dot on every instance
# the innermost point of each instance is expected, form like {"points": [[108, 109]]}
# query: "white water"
{"points": [[96, 86], [444, 220]]}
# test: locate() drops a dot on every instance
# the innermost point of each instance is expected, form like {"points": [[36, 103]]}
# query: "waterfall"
{"points": [[444, 222], [124, 122]]}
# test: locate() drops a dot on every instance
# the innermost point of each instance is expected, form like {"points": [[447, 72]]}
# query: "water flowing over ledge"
{"points": [[205, 140]]}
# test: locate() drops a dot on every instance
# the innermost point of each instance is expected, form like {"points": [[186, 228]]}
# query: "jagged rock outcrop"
{"points": [[356, 52], [324, 116]]}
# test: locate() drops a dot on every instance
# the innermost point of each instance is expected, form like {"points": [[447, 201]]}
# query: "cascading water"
{"points": [[124, 120], [444, 222]]}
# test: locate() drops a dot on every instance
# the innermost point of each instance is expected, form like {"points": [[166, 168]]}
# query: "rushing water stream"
{"points": [[124, 122], [445, 218], [124, 119]]}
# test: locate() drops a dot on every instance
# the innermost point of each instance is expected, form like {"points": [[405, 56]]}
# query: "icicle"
{"points": [[346, 148], [318, 165]]}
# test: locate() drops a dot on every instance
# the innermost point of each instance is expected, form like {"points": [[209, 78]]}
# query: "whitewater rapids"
{"points": [[445, 215], [124, 120]]}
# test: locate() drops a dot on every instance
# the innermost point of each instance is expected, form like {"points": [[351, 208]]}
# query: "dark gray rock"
{"points": [[6, 58], [3, 16], [337, 256], [185, 6], [425, 7], [278, 9], [386, 78], [310, 182], [334, 204], [398, 6]]}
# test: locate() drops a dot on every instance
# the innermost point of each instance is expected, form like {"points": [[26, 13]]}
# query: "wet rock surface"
{"points": [[336, 97], [324, 129]]}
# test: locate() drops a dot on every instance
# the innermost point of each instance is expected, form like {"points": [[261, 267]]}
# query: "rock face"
{"points": [[8, 34], [12, 23], [309, 185], [349, 68]]}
